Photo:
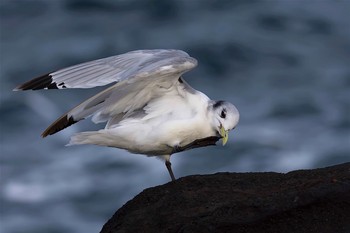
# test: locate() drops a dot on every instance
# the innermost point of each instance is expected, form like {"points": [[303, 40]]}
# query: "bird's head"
{"points": [[225, 117]]}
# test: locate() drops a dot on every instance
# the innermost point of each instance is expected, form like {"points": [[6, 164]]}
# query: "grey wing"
{"points": [[108, 70], [139, 76]]}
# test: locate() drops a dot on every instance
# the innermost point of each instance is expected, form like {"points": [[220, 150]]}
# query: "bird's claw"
{"points": [[176, 149]]}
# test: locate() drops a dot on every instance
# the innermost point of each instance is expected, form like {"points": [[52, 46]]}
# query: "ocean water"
{"points": [[284, 64]]}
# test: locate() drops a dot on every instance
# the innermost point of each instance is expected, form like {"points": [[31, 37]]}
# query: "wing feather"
{"points": [[139, 75], [118, 68]]}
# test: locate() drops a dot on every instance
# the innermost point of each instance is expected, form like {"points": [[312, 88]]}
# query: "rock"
{"points": [[300, 201]]}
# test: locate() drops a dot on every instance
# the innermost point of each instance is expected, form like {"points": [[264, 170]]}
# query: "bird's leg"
{"points": [[168, 166]]}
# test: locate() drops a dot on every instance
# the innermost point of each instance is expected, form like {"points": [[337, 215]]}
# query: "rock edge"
{"points": [[310, 201]]}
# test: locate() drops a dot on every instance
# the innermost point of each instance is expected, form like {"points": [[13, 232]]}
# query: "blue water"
{"points": [[284, 64]]}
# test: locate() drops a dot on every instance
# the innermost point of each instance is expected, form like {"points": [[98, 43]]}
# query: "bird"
{"points": [[148, 108]]}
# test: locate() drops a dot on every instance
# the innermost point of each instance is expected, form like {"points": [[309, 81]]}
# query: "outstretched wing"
{"points": [[108, 70], [140, 75]]}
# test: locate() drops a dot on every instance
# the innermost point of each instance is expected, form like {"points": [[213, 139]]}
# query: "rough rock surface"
{"points": [[300, 201]]}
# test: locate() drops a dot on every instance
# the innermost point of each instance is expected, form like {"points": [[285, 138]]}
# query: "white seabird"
{"points": [[149, 110]]}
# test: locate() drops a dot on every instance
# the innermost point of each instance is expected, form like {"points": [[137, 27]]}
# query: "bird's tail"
{"points": [[91, 137]]}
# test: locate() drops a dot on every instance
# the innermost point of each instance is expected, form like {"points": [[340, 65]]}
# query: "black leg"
{"points": [[176, 149], [168, 166]]}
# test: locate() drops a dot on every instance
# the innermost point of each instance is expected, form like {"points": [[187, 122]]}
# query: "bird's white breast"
{"points": [[172, 120]]}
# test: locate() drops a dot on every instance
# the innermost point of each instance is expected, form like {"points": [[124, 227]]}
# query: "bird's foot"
{"points": [[177, 149]]}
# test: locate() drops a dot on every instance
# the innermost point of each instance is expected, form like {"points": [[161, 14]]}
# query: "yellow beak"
{"points": [[224, 135]]}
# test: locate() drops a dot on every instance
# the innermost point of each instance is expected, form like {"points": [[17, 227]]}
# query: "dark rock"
{"points": [[299, 201]]}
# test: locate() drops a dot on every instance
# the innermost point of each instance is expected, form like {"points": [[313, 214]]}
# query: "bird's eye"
{"points": [[223, 113]]}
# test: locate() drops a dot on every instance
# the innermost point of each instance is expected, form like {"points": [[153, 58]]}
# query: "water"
{"points": [[284, 64]]}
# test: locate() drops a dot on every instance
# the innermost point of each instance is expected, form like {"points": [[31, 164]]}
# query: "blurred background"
{"points": [[284, 64]]}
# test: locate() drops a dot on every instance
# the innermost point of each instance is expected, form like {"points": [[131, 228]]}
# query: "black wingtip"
{"points": [[42, 82], [60, 124]]}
